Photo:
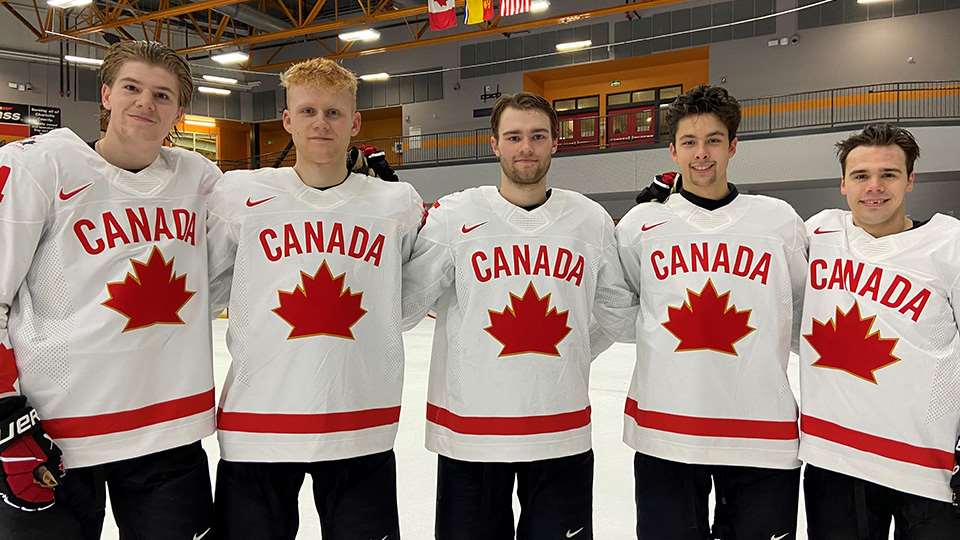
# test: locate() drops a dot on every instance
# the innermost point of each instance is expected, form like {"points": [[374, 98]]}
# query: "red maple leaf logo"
{"points": [[8, 370], [152, 294], [528, 326], [846, 343], [320, 306], [704, 322]]}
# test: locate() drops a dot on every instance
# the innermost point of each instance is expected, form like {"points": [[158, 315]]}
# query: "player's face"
{"points": [[876, 184], [321, 122], [143, 102], [702, 149], [525, 145]]}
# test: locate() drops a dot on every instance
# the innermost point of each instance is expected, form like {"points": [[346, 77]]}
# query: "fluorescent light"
{"points": [[573, 45], [221, 80], [64, 4], [375, 77], [366, 34], [539, 6], [83, 60], [210, 90], [203, 121], [872, 1], [234, 57]]}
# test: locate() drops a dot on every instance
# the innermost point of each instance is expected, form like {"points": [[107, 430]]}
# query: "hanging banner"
{"points": [[21, 121]]}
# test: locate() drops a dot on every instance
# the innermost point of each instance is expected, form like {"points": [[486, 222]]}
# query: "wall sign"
{"points": [[21, 121]]}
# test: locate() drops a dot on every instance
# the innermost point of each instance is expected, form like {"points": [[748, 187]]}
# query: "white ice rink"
{"points": [[613, 481]]}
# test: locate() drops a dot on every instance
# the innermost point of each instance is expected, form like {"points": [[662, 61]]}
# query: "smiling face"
{"points": [[143, 102], [702, 149], [876, 184], [321, 122], [524, 144]]}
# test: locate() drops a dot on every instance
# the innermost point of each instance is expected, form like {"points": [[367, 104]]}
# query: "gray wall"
{"points": [[843, 55], [799, 159]]}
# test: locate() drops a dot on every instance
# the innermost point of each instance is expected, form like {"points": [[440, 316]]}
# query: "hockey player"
{"points": [[104, 327], [880, 354], [311, 257], [719, 277], [514, 274]]}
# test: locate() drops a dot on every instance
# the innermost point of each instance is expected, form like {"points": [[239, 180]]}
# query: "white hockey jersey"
{"points": [[313, 278], [880, 353], [105, 275], [720, 294], [514, 292]]}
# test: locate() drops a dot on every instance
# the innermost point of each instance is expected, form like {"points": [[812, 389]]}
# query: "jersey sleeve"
{"points": [[24, 207], [630, 264], [797, 267], [411, 220], [430, 270], [616, 306], [223, 233]]}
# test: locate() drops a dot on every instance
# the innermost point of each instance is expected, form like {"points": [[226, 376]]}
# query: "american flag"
{"points": [[513, 7]]}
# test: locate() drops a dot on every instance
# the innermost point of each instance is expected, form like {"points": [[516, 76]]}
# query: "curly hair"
{"points": [[884, 134], [705, 99]]}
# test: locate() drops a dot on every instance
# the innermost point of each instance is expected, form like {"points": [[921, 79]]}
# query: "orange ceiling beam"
{"points": [[549, 21], [175, 11]]}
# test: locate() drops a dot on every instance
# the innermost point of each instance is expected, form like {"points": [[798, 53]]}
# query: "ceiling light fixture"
{"points": [[539, 6], [221, 80], [573, 45], [64, 4], [371, 77], [83, 60], [232, 57], [367, 34], [211, 90]]}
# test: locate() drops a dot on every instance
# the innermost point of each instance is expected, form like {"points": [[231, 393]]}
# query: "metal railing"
{"points": [[761, 117]]}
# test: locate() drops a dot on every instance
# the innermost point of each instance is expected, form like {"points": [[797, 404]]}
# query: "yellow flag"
{"points": [[478, 11]]}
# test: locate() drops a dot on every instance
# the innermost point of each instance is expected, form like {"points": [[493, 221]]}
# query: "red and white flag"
{"points": [[443, 14], [513, 7]]}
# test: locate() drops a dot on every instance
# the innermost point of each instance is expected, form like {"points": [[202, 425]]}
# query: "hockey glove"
{"points": [[661, 187], [955, 480], [30, 462], [377, 161]]}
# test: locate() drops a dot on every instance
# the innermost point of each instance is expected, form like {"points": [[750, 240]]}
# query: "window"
{"points": [[565, 105], [588, 127], [566, 129], [642, 96], [618, 99], [618, 124], [644, 120], [591, 102], [670, 93]]}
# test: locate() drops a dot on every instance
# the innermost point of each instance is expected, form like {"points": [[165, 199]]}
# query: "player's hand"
{"points": [[663, 184], [30, 462]]}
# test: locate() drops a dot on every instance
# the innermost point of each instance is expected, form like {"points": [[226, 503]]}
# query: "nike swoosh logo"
{"points": [[251, 203], [201, 535], [64, 196], [784, 535], [574, 533], [466, 229], [818, 230], [646, 227]]}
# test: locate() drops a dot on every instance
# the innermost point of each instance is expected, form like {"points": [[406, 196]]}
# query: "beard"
{"points": [[527, 176]]}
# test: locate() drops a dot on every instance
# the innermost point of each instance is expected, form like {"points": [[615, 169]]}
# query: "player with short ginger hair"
{"points": [[104, 325], [880, 354], [308, 258], [515, 274], [719, 278]]}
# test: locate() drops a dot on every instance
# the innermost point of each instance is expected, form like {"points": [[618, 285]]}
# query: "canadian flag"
{"points": [[443, 14]]}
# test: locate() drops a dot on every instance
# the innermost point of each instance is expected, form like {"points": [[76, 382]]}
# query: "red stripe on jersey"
{"points": [[712, 427], [307, 423], [103, 424], [507, 425], [888, 448]]}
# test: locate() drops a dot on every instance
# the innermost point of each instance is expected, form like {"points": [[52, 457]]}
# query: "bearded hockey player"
{"points": [[880, 354], [311, 257], [514, 274], [719, 277], [104, 327]]}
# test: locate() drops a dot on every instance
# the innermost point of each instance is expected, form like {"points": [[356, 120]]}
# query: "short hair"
{"points": [[148, 52], [524, 101], [705, 99], [884, 134], [320, 73]]}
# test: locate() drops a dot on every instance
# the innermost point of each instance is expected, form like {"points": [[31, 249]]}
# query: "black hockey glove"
{"points": [[30, 462], [955, 480], [377, 161], [661, 187]]}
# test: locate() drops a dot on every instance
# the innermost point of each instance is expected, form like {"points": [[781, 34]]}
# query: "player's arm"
{"points": [[430, 270], [30, 463], [797, 267], [616, 307], [955, 480], [223, 235], [630, 265]]}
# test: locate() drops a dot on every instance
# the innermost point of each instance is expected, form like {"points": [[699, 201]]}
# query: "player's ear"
{"points": [[356, 124], [673, 153], [733, 146], [285, 119], [494, 145], [105, 96], [911, 178]]}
